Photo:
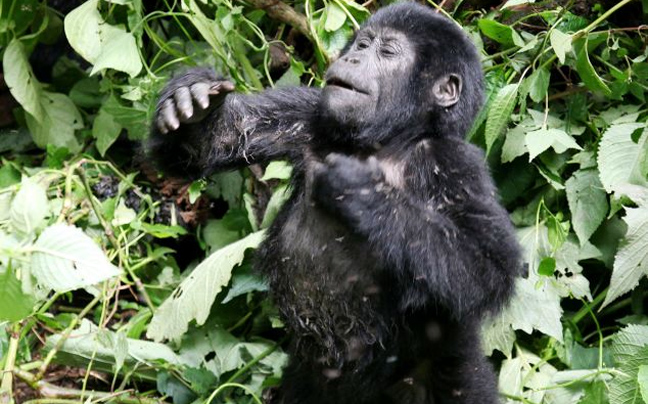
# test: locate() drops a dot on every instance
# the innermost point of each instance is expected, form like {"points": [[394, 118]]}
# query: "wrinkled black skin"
{"points": [[392, 247]]}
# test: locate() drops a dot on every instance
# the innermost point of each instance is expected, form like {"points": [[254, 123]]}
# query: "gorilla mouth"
{"points": [[337, 82]]}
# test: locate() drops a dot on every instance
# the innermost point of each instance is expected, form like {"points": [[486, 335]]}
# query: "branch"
{"points": [[282, 12]]}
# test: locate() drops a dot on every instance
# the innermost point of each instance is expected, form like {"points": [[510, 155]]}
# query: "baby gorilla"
{"points": [[393, 246]]}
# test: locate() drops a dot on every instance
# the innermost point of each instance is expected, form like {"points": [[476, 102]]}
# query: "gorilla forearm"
{"points": [[465, 267], [245, 129]]}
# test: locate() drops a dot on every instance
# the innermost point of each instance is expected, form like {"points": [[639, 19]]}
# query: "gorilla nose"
{"points": [[351, 59]]}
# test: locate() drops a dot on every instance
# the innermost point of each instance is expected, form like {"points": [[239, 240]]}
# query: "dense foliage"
{"points": [[105, 291]]}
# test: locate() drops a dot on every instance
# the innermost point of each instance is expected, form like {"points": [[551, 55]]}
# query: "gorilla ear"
{"points": [[447, 90]]}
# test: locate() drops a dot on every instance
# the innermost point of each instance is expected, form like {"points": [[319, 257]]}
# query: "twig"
{"points": [[282, 12]]}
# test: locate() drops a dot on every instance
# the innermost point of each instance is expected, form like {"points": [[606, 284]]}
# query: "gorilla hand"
{"points": [[349, 188], [189, 98]]}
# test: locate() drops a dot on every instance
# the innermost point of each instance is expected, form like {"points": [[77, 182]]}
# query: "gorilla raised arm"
{"points": [[392, 246]]}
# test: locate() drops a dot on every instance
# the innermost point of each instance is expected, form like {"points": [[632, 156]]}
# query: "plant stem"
{"points": [[64, 337], [6, 387], [602, 18]]}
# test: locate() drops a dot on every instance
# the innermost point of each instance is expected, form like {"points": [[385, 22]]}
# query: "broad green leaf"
{"points": [[133, 118], [245, 280], [587, 73], [61, 119], [499, 32], [539, 84], [540, 140], [102, 44], [500, 113], [335, 17], [20, 79], [119, 52], [277, 170], [630, 351], [560, 43], [514, 145], [65, 259], [82, 29], [106, 130], [101, 346], [29, 208], [642, 379], [192, 300], [535, 306], [14, 304], [631, 261], [619, 158], [587, 202]]}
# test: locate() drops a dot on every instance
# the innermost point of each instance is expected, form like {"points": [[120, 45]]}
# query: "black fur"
{"points": [[392, 247]]}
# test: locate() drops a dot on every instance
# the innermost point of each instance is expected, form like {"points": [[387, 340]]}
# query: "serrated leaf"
{"points": [[65, 259], [89, 343], [61, 119], [539, 84], [540, 140], [560, 43], [587, 202], [106, 130], [335, 17], [630, 351], [514, 145], [500, 113], [642, 379], [587, 73], [631, 261], [14, 304], [619, 158], [20, 79], [29, 208], [192, 300], [245, 280]]}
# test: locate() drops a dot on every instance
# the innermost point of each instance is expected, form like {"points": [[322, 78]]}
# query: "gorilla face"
{"points": [[369, 79]]}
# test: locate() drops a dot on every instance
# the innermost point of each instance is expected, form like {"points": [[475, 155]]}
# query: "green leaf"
{"points": [[547, 266], [29, 208], [20, 79], [277, 170], [539, 84], [514, 145], [245, 280], [119, 52], [560, 43], [106, 130], [499, 32], [14, 304], [60, 120], [642, 379], [102, 44], [619, 158], [631, 261], [587, 202], [65, 259], [279, 197], [630, 352], [587, 73], [500, 113], [540, 140], [335, 17], [88, 344], [192, 300]]}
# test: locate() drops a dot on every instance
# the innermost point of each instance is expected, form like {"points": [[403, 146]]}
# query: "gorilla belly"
{"points": [[328, 285]]}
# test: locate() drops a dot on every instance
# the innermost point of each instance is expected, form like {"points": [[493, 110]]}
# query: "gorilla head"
{"points": [[407, 69]]}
